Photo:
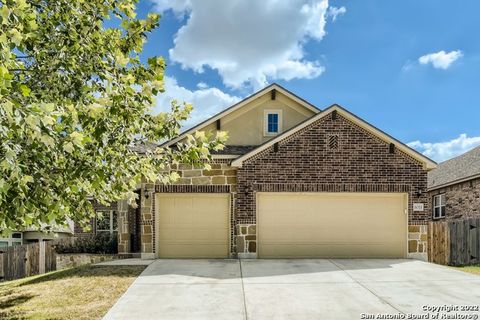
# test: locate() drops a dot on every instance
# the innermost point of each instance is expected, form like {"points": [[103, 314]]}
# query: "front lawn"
{"points": [[471, 269], [85, 292]]}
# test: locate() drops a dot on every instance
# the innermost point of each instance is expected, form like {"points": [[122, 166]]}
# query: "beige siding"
{"points": [[245, 126], [345, 225]]}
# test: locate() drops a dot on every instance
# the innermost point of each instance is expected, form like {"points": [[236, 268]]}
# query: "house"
{"points": [[454, 187], [32, 235], [293, 181]]}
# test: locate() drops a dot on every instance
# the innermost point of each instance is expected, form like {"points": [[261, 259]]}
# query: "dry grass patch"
{"points": [[475, 269], [81, 293]]}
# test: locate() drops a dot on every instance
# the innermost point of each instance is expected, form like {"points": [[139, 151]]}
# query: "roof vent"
{"points": [[274, 94], [332, 141], [391, 148], [334, 115]]}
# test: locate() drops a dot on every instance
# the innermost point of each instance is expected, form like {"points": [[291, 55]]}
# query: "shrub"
{"points": [[100, 243]]}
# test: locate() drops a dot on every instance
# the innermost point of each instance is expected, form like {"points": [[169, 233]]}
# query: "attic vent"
{"points": [[332, 141]]}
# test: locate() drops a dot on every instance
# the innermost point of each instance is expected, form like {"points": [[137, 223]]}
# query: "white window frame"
{"points": [[11, 241], [278, 112], [437, 204], [110, 213]]}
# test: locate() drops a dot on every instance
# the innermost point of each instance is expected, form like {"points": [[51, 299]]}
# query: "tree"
{"points": [[75, 99]]}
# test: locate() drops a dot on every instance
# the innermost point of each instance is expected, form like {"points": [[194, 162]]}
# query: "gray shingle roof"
{"points": [[235, 150], [230, 150], [143, 148], [462, 167]]}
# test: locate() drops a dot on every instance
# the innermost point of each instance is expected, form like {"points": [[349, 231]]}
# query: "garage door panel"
{"points": [[332, 250], [331, 225], [193, 225]]}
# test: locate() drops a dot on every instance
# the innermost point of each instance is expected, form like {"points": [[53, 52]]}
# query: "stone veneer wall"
{"points": [[418, 241], [462, 199], [71, 260], [222, 178], [246, 240], [307, 162], [123, 227]]}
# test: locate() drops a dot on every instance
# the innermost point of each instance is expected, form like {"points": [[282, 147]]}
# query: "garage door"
{"points": [[353, 225], [192, 225]]}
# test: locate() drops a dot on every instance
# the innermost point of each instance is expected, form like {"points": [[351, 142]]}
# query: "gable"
{"points": [[335, 111], [244, 121]]}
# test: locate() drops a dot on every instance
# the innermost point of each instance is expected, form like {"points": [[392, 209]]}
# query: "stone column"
{"points": [[147, 221], [418, 242], [246, 241], [123, 227]]}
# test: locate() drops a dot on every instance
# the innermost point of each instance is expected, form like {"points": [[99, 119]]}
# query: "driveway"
{"points": [[294, 289]]}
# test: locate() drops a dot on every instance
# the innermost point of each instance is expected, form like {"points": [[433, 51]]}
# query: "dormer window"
{"points": [[273, 122]]}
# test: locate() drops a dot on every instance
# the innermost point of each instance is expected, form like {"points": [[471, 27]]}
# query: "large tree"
{"points": [[75, 99]]}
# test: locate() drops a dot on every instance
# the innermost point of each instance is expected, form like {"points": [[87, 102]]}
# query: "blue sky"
{"points": [[411, 68]]}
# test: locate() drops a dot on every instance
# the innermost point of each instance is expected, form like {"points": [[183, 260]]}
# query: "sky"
{"points": [[409, 67]]}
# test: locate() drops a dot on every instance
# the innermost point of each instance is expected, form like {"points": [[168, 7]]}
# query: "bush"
{"points": [[100, 243]]}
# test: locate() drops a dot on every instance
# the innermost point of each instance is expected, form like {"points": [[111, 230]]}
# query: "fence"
{"points": [[454, 243], [27, 260]]}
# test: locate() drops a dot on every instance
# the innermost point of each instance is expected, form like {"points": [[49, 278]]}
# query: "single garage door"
{"points": [[192, 225], [349, 225]]}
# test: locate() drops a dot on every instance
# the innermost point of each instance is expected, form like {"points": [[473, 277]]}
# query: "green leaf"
{"points": [[77, 138], [68, 147], [25, 90]]}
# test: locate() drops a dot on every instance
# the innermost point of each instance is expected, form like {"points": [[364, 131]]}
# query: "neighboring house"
{"points": [[293, 181], [33, 235], [454, 187]]}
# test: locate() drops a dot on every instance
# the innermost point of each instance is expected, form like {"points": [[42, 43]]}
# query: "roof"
{"points": [[240, 104], [234, 150], [144, 147], [462, 168], [427, 163]]}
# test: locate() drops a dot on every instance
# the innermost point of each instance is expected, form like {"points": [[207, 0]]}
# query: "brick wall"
{"points": [[462, 199], [308, 162]]}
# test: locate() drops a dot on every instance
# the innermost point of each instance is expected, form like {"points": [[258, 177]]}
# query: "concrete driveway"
{"points": [[294, 289]]}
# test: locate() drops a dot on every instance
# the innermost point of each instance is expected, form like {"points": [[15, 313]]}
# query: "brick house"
{"points": [[293, 181], [454, 187]]}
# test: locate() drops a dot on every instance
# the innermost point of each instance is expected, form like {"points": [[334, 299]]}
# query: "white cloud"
{"points": [[206, 101], [249, 41], [441, 151], [441, 59], [202, 85], [335, 12]]}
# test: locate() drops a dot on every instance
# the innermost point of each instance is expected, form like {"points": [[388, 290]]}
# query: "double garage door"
{"points": [[348, 225], [289, 225]]}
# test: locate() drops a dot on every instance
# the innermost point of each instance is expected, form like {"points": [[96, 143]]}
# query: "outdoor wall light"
{"points": [[146, 193], [418, 193]]}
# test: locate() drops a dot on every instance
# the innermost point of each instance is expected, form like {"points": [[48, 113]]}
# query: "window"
{"points": [[439, 206], [107, 221], [14, 239], [273, 122]]}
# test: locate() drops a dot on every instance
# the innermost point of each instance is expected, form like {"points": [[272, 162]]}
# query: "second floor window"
{"points": [[273, 122]]}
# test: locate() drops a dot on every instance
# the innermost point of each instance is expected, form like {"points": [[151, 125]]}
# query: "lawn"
{"points": [[471, 269], [80, 293]]}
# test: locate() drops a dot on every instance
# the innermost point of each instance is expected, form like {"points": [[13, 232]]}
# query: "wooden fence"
{"points": [[27, 260], [455, 243]]}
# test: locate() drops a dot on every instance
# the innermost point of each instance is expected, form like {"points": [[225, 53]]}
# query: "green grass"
{"points": [[475, 269], [86, 292]]}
